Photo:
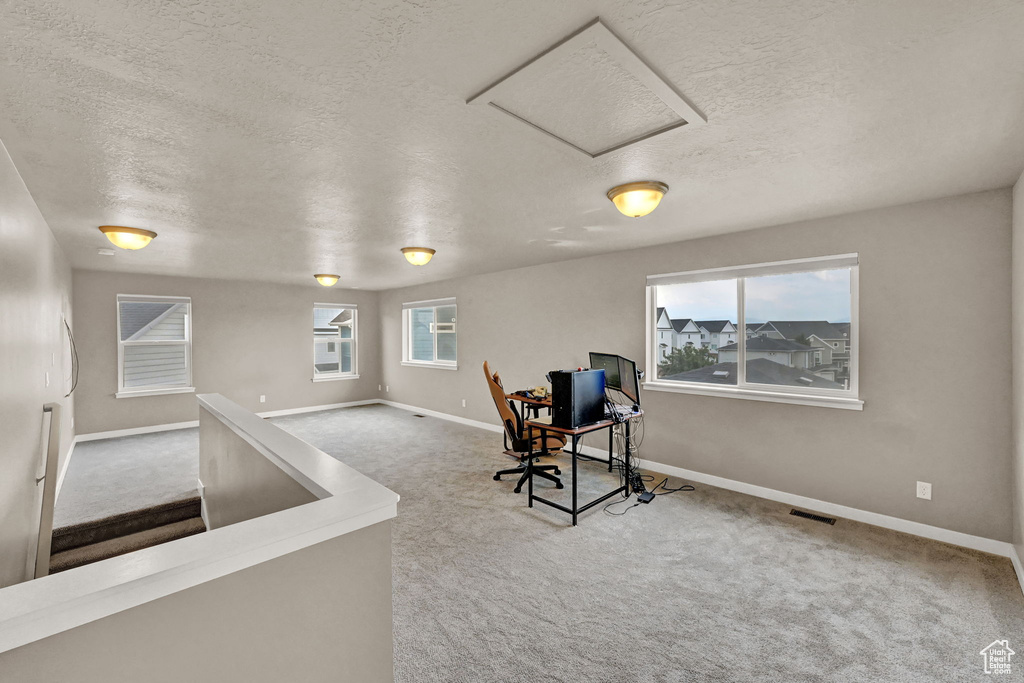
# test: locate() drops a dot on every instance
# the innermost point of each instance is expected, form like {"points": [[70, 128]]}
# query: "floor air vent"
{"points": [[816, 518]]}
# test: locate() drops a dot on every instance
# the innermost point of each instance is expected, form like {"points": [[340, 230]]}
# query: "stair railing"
{"points": [[49, 482]]}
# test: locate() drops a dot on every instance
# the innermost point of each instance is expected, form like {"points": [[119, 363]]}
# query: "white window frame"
{"points": [[335, 376], [832, 398], [133, 392], [407, 333]]}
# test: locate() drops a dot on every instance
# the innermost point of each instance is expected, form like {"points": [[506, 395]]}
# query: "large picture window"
{"points": [[154, 345], [783, 331], [430, 333], [334, 342]]}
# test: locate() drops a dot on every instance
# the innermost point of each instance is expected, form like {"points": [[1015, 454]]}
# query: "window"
{"points": [[154, 345], [790, 311], [429, 331], [334, 342]]}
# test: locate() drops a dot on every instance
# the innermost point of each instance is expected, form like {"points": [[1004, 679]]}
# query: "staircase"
{"points": [[81, 544]]}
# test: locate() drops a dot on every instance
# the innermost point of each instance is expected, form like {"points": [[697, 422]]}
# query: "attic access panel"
{"points": [[592, 92]]}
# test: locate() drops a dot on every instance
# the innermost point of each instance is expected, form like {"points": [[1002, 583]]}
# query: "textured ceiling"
{"points": [[277, 140], [589, 100]]}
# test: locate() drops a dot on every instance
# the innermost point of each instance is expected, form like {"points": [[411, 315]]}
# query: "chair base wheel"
{"points": [[559, 485], [497, 477], [558, 472], [517, 490]]}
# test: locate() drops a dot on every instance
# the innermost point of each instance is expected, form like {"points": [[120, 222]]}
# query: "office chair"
{"points": [[515, 430]]}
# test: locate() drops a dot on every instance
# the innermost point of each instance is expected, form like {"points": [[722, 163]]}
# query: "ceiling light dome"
{"points": [[418, 256], [127, 238], [638, 199], [327, 279]]}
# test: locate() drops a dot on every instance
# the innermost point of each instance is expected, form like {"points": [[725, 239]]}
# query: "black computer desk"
{"points": [[575, 435]]}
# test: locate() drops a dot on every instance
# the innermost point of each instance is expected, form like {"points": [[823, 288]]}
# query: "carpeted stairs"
{"points": [[80, 544]]}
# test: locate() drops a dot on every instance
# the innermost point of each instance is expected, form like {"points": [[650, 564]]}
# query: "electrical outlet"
{"points": [[387, 388], [379, 387], [924, 490], [72, 423], [47, 378], [463, 403], [263, 399], [53, 359]]}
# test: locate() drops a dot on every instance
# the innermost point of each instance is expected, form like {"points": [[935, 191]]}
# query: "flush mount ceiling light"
{"points": [[637, 199], [127, 238], [327, 279], [418, 256]]}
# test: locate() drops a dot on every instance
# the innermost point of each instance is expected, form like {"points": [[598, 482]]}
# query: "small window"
{"points": [[334, 342], [154, 345], [430, 333]]}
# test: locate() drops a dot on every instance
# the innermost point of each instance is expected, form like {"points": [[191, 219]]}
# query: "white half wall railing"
{"points": [[291, 581]]}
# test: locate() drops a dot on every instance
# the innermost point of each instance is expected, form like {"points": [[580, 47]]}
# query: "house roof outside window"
{"points": [[713, 326], [760, 371], [791, 329], [679, 324], [763, 343]]}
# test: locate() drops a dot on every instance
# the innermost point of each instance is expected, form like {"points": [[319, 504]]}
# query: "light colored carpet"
{"points": [[113, 476], [708, 585]]}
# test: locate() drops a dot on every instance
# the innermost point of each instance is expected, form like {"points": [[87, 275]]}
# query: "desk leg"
{"points": [[628, 456], [611, 445], [529, 466], [575, 443]]}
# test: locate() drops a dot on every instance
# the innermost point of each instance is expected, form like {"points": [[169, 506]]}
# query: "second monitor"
{"points": [[619, 373]]}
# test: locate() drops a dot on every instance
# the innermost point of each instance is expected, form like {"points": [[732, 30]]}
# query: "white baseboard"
{"points": [[152, 429], [445, 416], [1001, 548], [592, 451], [987, 545], [202, 502], [1017, 567], [315, 409]]}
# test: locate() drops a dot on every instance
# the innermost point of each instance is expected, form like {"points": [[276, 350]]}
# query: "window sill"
{"points": [[155, 392], [758, 395], [424, 364], [334, 378]]}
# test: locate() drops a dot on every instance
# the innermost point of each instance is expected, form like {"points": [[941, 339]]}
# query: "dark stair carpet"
{"points": [[81, 544]]}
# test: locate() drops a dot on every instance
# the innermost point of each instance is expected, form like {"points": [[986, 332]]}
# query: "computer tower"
{"points": [[577, 397]]}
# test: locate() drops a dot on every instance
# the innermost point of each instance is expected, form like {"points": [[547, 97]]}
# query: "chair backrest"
{"points": [[506, 409]]}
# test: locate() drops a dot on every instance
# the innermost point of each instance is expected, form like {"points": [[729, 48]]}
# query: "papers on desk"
{"points": [[546, 420]]}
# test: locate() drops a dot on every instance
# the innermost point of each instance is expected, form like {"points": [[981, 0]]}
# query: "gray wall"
{"points": [[239, 482], [248, 339], [1018, 367], [35, 282], [935, 411], [319, 614]]}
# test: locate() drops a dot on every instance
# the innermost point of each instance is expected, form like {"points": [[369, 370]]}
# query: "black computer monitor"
{"points": [[629, 380], [619, 373], [610, 364]]}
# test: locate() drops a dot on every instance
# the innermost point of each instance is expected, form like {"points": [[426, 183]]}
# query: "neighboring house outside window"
{"points": [[810, 360], [154, 345], [334, 342], [430, 334]]}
